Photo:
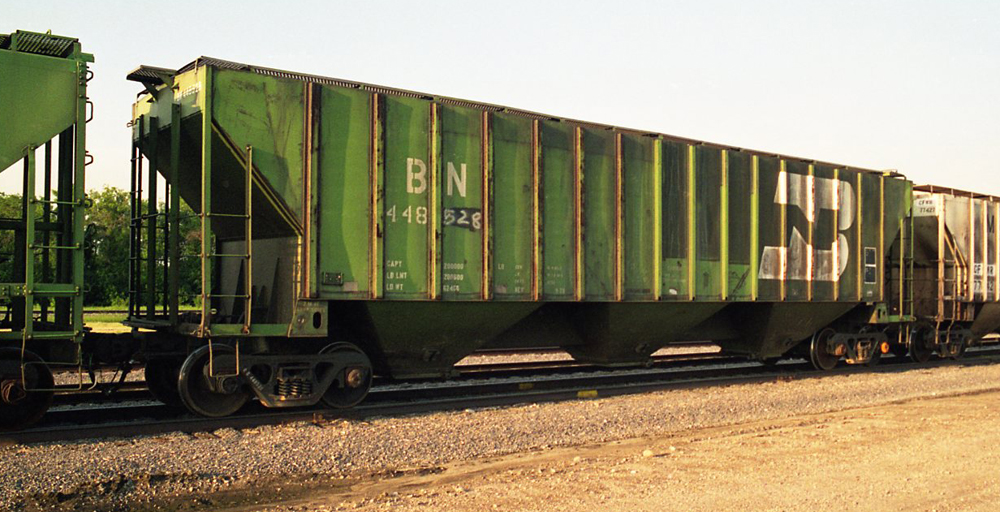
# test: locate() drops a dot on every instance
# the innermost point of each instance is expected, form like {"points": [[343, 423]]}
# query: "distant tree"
{"points": [[108, 228], [10, 209], [106, 253], [106, 248]]}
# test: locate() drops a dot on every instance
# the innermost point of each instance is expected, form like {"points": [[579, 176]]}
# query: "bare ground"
{"points": [[923, 454]]}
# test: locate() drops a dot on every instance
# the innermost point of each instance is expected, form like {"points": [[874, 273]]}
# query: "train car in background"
{"points": [[43, 116], [955, 261]]}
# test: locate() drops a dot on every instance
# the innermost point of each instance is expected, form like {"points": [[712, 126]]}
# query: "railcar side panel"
{"points": [[870, 247], [824, 233], [709, 216], [599, 234], [741, 192], [432, 199], [799, 212], [343, 202], [512, 206], [771, 230], [558, 210], [268, 114], [38, 96], [462, 203], [677, 224], [408, 183], [848, 242], [898, 203], [641, 220]]}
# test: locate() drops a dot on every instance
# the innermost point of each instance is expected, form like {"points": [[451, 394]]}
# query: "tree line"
{"points": [[107, 247]]}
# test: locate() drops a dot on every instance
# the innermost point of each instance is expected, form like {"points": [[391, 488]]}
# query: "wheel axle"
{"points": [[210, 396], [12, 392], [354, 377]]}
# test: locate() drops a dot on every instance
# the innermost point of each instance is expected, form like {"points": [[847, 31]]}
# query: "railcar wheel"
{"points": [[876, 356], [819, 355], [19, 406], [351, 387], [213, 396], [921, 346], [957, 349], [161, 379]]}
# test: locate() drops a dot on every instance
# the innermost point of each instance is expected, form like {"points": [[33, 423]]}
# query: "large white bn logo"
{"points": [[811, 195], [416, 177]]}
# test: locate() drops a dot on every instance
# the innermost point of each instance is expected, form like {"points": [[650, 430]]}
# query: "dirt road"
{"points": [[925, 454]]}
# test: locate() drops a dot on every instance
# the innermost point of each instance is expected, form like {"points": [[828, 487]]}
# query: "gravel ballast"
{"points": [[227, 466]]}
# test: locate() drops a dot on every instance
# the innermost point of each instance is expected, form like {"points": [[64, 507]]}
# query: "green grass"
{"points": [[104, 317]]}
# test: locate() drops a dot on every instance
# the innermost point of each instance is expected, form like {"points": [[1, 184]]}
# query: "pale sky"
{"points": [[878, 84]]}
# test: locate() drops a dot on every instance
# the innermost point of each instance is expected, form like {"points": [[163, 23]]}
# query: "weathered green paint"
{"points": [[848, 283], [724, 225], [639, 193], [462, 203], [512, 207], [43, 93], [598, 214], [709, 219], [266, 113], [898, 203], [769, 228], [677, 222], [407, 188], [683, 228], [343, 198], [38, 96], [558, 210], [222, 330], [79, 197], [205, 178], [740, 229], [692, 222], [754, 226], [29, 248], [871, 216]]}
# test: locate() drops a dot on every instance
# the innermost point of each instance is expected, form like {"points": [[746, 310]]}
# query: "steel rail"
{"points": [[137, 390], [127, 421]]}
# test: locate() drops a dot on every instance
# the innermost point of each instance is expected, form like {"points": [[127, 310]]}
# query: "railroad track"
{"points": [[149, 418], [124, 311], [136, 390]]}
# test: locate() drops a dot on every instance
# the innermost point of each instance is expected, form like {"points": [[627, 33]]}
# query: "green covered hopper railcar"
{"points": [[44, 111], [421, 228]]}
